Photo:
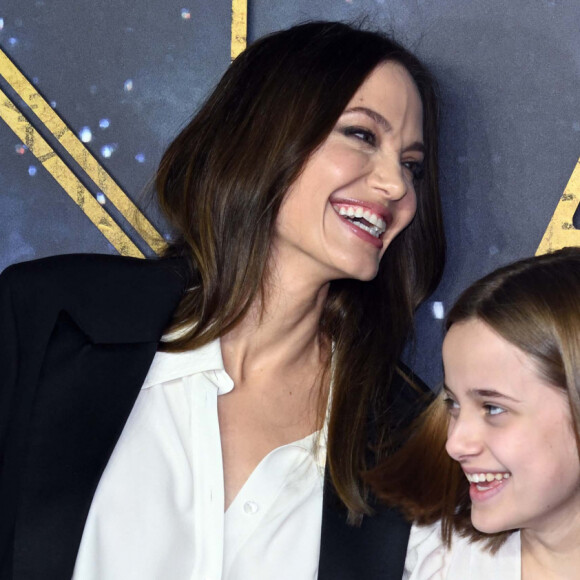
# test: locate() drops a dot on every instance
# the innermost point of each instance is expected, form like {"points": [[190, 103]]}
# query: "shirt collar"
{"points": [[317, 443], [168, 366]]}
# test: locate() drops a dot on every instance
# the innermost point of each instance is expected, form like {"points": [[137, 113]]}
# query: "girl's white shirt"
{"points": [[429, 559], [158, 511]]}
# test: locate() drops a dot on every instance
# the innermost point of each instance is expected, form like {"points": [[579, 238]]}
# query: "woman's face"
{"points": [[511, 431], [356, 192]]}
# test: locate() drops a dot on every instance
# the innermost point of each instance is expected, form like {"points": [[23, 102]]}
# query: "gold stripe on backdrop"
{"points": [[81, 155], [239, 26], [561, 232], [66, 178]]}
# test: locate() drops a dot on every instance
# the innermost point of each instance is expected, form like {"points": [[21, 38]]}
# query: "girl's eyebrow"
{"points": [[490, 394], [483, 394]]}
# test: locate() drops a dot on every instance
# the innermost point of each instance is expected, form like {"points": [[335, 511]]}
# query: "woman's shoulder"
{"points": [[70, 267], [57, 277], [100, 292], [429, 559]]}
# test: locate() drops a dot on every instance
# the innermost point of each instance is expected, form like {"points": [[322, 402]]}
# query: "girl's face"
{"points": [[356, 192], [511, 431]]}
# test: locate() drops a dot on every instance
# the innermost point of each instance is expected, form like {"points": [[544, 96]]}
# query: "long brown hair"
{"points": [[533, 304], [221, 184]]}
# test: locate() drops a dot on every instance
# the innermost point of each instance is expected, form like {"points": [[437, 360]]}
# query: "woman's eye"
{"points": [[416, 168], [493, 410], [365, 135]]}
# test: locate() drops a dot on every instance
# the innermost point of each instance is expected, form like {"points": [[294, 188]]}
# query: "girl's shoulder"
{"points": [[429, 559], [427, 556]]}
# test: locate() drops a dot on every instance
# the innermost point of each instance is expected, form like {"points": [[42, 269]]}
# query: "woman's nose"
{"points": [[388, 177], [463, 439]]}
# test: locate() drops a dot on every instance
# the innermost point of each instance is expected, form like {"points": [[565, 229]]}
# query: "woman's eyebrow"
{"points": [[416, 146], [386, 126], [376, 117]]}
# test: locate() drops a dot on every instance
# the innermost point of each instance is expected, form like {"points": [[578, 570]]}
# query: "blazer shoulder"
{"points": [[409, 396], [89, 269], [113, 298], [92, 272]]}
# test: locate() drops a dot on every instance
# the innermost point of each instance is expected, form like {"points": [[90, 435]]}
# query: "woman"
{"points": [[511, 408], [306, 211]]}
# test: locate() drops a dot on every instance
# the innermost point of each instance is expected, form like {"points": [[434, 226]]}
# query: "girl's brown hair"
{"points": [[221, 183], [534, 304]]}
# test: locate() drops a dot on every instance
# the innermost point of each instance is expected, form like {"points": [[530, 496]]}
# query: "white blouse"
{"points": [[429, 559], [158, 511]]}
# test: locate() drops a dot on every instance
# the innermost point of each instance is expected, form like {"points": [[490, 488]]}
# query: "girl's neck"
{"points": [[551, 555]]}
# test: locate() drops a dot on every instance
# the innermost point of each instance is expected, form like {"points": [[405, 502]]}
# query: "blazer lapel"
{"points": [[82, 404], [91, 373], [375, 550]]}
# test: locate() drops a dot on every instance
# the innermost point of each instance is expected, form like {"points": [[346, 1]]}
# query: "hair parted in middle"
{"points": [[221, 184], [534, 304]]}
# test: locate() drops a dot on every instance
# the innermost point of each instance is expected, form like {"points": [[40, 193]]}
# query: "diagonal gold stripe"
{"points": [[79, 153], [561, 232], [239, 26], [66, 178]]}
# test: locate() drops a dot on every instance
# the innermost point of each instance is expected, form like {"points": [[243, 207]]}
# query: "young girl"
{"points": [[511, 501]]}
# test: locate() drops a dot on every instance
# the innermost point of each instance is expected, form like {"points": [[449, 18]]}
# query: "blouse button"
{"points": [[251, 507]]}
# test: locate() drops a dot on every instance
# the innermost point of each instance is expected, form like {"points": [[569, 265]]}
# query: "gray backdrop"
{"points": [[131, 73]]}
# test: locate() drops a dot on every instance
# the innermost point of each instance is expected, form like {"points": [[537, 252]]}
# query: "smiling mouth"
{"points": [[486, 480], [364, 219]]}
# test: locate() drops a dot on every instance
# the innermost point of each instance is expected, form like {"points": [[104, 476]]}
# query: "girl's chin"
{"points": [[489, 527]]}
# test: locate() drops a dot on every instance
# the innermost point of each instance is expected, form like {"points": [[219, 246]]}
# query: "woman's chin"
{"points": [[364, 272]]}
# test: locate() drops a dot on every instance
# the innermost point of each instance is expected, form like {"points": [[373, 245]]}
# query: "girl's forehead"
{"points": [[480, 365], [476, 357]]}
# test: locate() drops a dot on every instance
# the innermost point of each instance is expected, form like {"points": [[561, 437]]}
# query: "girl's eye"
{"points": [[365, 135], [451, 404], [493, 410], [416, 168]]}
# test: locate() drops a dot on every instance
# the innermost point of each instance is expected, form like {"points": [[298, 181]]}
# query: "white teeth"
{"points": [[374, 231], [486, 477], [379, 225]]}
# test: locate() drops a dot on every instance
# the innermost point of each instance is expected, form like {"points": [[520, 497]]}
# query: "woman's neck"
{"points": [[280, 332]]}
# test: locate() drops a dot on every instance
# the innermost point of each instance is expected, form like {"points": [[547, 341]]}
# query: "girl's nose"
{"points": [[463, 439]]}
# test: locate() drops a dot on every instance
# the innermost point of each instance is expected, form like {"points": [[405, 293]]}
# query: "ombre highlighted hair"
{"points": [[221, 184]]}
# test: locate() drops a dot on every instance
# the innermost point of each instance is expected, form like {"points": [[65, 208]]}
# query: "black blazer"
{"points": [[77, 336]]}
